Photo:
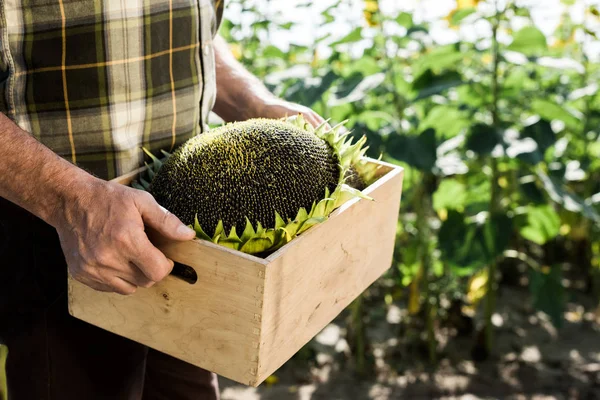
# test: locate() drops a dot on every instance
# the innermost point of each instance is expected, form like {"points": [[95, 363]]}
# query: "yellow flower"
{"points": [[371, 6], [370, 11], [477, 287], [460, 4]]}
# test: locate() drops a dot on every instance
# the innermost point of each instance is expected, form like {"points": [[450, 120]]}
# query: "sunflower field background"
{"points": [[495, 287]]}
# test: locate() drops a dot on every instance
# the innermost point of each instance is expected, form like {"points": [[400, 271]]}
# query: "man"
{"points": [[85, 84]]}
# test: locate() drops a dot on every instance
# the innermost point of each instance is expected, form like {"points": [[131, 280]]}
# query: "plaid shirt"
{"points": [[97, 80]]}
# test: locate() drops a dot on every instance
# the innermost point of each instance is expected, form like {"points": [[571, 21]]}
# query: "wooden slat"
{"points": [[214, 323], [310, 283]]}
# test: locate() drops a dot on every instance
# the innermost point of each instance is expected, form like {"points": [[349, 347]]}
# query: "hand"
{"points": [[279, 108], [102, 235]]}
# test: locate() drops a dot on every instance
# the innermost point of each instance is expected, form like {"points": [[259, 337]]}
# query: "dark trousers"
{"points": [[53, 356]]}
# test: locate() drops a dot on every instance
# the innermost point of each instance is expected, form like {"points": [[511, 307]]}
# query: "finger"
{"points": [[136, 276], [151, 262], [123, 287], [316, 120], [163, 221], [98, 286]]}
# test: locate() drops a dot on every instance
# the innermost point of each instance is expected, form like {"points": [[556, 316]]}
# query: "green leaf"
{"points": [[248, 231], [136, 185], [310, 223], [529, 40], [535, 139], [532, 192], [459, 243], [548, 293], [461, 14], [550, 110], [199, 232], [417, 151], [440, 58], [273, 52], [451, 194], [543, 224], [483, 138], [542, 132], [448, 121], [416, 29], [497, 232], [428, 84], [3, 378], [256, 245], [145, 183], [404, 19], [563, 196], [354, 36], [362, 90]]}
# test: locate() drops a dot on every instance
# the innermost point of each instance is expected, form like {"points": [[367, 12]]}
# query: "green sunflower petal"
{"points": [[256, 245], [199, 232], [310, 223], [144, 183], [279, 222], [233, 236], [136, 185], [248, 231], [259, 229], [302, 214], [156, 162], [219, 229]]}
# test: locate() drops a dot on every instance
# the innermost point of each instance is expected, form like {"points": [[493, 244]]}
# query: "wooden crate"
{"points": [[246, 316]]}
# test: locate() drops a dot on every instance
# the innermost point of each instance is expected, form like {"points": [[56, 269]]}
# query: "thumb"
{"points": [[161, 220]]}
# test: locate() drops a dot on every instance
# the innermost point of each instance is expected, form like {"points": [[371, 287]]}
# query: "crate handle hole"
{"points": [[185, 272]]}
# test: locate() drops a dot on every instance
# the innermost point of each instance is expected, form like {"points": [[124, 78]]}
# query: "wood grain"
{"points": [[245, 316], [310, 283], [214, 323]]}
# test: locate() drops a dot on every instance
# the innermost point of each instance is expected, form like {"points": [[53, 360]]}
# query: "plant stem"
{"points": [[490, 303], [357, 322], [422, 207]]}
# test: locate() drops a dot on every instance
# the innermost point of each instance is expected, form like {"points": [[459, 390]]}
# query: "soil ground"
{"points": [[532, 360]]}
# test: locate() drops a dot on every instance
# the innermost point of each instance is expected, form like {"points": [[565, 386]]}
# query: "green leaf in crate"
{"points": [[3, 379], [548, 293], [529, 40], [451, 195], [549, 110], [483, 138], [543, 224]]}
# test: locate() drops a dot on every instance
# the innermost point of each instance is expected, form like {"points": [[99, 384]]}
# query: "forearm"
{"points": [[34, 177], [240, 95]]}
